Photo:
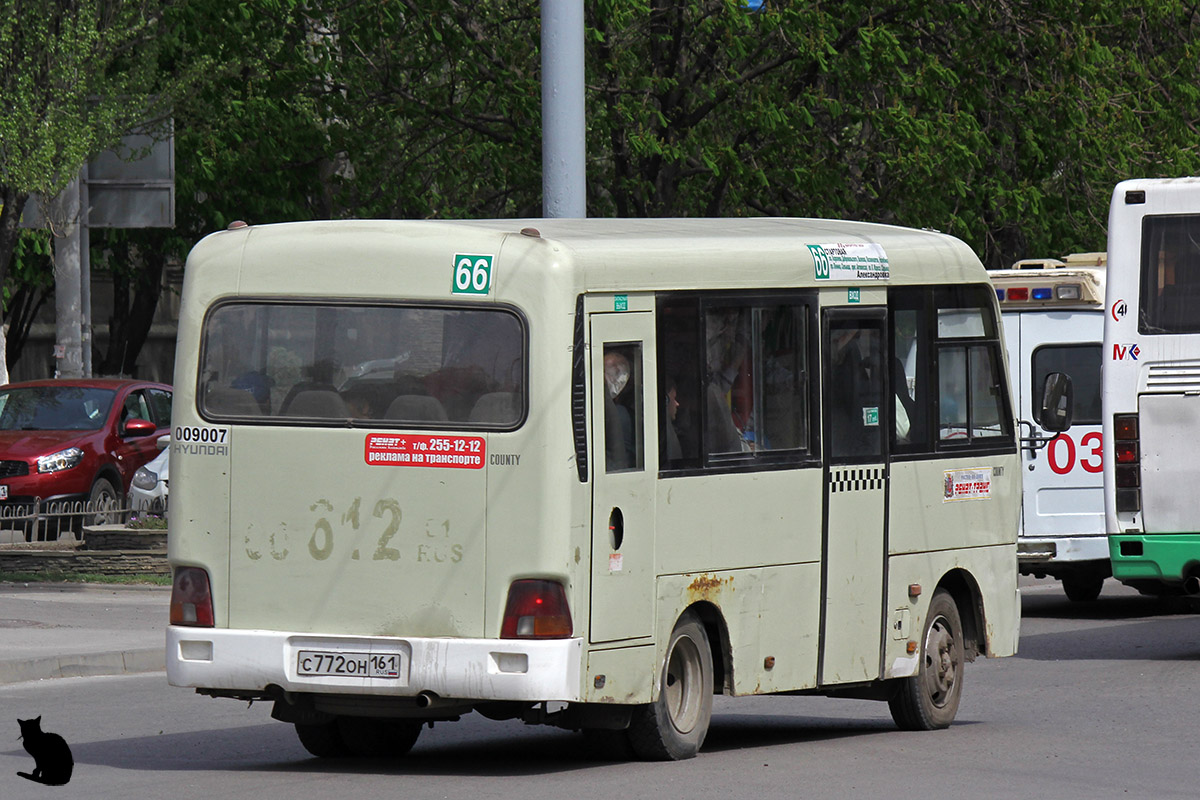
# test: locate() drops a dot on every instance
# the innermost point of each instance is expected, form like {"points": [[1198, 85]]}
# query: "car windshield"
{"points": [[54, 408]]}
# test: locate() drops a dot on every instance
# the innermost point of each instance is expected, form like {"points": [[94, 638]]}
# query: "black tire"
{"points": [[323, 741], [373, 737], [673, 727], [929, 700], [102, 502], [607, 745], [1082, 587]]}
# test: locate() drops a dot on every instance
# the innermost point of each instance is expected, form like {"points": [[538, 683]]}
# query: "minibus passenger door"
{"points": [[623, 388], [856, 418]]}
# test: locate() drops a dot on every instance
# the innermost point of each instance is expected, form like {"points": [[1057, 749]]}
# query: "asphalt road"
{"points": [[1101, 702]]}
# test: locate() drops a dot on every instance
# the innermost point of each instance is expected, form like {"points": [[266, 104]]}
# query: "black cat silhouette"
{"points": [[51, 756]]}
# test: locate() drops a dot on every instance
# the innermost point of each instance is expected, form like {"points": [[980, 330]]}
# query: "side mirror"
{"points": [[1057, 403], [139, 427]]}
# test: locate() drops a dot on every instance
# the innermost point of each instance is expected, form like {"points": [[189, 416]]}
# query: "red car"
{"points": [[77, 440]]}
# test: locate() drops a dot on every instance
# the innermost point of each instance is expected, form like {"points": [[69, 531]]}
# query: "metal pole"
{"points": [[564, 174]]}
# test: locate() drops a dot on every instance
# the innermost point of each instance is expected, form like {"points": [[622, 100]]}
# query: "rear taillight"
{"points": [[536, 609], [191, 600], [1126, 452], [1127, 472]]}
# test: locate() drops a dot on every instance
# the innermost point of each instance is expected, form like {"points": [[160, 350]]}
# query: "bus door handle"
{"points": [[616, 527]]}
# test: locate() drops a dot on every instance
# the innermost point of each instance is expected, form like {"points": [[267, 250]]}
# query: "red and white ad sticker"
{"points": [[967, 484], [405, 450]]}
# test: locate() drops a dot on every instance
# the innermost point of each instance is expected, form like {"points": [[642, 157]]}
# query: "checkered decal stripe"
{"points": [[855, 480]]}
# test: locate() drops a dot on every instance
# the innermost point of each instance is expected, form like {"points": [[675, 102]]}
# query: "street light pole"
{"points": [[564, 173]]}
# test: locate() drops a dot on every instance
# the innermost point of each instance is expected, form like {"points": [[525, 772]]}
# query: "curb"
{"points": [[123, 662]]}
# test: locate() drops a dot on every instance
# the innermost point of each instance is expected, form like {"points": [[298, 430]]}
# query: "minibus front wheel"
{"points": [[929, 700], [673, 727]]}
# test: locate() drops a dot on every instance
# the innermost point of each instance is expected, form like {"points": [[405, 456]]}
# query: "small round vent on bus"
{"points": [[616, 527], [534, 232]]}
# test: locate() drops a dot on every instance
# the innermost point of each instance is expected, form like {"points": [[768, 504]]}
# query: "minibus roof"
{"points": [[616, 254]]}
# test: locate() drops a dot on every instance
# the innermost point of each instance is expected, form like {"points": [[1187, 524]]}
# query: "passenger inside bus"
{"points": [[728, 339], [619, 443], [672, 449]]}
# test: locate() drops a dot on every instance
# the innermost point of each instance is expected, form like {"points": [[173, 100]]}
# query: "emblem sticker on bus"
{"points": [[405, 450], [853, 261], [967, 484]]}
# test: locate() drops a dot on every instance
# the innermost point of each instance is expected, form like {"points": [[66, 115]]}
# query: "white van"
{"points": [[1053, 312]]}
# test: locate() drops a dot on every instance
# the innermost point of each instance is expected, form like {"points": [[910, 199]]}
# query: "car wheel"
{"points": [[104, 504], [1082, 587]]}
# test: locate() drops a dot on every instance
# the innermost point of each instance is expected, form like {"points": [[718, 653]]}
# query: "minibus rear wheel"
{"points": [[373, 737], [673, 727], [929, 700], [323, 740]]}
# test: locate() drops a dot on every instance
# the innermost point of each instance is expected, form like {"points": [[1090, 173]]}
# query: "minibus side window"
{"points": [[623, 449], [972, 405], [946, 370], [734, 376], [908, 403]]}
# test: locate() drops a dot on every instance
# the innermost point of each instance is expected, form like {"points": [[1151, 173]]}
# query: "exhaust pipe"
{"points": [[1191, 584], [428, 699]]}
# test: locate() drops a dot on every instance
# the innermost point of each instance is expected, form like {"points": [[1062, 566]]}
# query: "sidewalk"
{"points": [[62, 630]]}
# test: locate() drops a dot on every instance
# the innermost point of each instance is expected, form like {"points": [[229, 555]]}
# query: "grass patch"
{"points": [[83, 577]]}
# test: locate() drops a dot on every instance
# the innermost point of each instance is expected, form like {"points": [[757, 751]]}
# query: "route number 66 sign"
{"points": [[472, 274]]}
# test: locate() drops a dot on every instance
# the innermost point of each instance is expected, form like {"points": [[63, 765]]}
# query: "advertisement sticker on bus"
{"points": [[406, 450], [854, 261], [967, 484]]}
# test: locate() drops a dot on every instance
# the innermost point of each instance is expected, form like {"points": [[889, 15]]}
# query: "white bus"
{"points": [[1053, 313], [1152, 385], [586, 473]]}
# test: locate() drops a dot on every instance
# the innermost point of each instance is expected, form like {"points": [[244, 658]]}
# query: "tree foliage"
{"points": [[75, 76], [1004, 122]]}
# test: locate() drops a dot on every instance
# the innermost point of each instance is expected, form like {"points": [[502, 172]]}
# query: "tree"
{"points": [[76, 75]]}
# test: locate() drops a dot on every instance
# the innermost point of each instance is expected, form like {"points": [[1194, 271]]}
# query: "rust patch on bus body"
{"points": [[708, 587]]}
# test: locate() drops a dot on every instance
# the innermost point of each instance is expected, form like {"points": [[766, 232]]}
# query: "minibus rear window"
{"points": [[325, 364]]}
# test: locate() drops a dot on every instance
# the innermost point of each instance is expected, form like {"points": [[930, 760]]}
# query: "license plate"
{"points": [[348, 665]]}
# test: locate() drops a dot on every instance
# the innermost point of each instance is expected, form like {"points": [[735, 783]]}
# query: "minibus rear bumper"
{"points": [[471, 669]]}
